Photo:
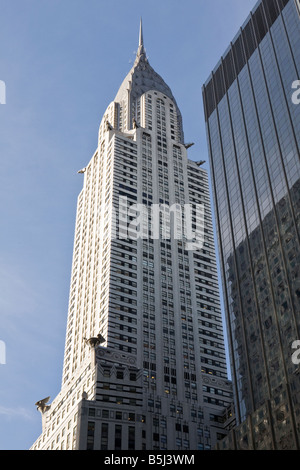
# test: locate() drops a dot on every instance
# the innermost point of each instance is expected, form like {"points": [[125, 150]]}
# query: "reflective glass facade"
{"points": [[253, 131]]}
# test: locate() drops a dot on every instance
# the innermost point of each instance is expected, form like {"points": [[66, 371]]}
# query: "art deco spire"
{"points": [[141, 53], [141, 40], [140, 79]]}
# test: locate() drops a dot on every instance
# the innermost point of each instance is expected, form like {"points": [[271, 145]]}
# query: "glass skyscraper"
{"points": [[253, 131]]}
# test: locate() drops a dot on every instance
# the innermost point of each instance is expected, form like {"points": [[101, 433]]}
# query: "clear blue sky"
{"points": [[62, 62]]}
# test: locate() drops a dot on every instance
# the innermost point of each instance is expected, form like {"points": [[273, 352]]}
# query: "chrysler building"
{"points": [[144, 363]]}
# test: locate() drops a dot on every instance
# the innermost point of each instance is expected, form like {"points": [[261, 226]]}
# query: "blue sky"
{"points": [[62, 62]]}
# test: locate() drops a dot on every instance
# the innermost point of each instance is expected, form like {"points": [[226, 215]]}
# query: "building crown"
{"points": [[141, 79]]}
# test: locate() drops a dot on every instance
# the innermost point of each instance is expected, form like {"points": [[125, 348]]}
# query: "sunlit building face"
{"points": [[144, 364]]}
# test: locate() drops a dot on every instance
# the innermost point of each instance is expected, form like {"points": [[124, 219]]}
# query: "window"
{"points": [[131, 438], [90, 435], [104, 436], [118, 437]]}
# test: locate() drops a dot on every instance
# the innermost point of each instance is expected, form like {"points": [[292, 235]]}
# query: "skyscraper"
{"points": [[144, 364], [253, 130]]}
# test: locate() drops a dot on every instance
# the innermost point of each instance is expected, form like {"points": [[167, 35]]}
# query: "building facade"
{"points": [[253, 130], [144, 364]]}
